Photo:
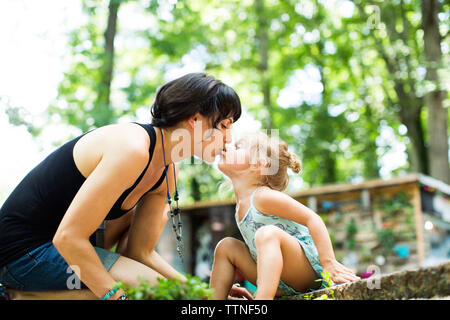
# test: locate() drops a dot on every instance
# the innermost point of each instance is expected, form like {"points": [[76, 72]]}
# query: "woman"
{"points": [[119, 174]]}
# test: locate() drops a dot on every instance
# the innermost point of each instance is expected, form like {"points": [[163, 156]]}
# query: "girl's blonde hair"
{"points": [[273, 153]]}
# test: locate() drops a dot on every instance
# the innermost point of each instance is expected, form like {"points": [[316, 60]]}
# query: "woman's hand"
{"points": [[238, 293], [339, 273]]}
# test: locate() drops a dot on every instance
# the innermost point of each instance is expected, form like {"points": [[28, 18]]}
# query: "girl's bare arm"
{"points": [[270, 201]]}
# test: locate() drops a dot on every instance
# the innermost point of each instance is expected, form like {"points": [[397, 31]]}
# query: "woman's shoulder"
{"points": [[125, 137], [124, 142], [130, 133]]}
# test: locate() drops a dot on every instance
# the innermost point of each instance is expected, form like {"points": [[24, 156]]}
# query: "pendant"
{"points": [[180, 250]]}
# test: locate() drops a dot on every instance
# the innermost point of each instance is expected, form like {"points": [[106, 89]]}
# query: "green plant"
{"points": [[387, 239], [339, 216], [396, 203], [366, 255], [166, 289], [327, 283], [351, 229]]}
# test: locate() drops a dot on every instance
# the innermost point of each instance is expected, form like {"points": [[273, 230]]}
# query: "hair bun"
{"points": [[294, 163]]}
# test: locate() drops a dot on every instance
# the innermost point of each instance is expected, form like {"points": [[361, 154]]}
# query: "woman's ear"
{"points": [[193, 120]]}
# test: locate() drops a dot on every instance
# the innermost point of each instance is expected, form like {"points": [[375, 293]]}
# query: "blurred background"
{"points": [[358, 89]]}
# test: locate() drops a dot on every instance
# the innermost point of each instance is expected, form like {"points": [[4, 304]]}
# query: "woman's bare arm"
{"points": [[118, 168], [147, 226]]}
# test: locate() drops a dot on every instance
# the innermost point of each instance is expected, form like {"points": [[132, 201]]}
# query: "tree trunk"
{"points": [[437, 114], [371, 169], [409, 115], [104, 114], [262, 44]]}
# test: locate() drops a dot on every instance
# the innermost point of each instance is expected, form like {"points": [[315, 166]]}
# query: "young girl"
{"points": [[287, 245]]}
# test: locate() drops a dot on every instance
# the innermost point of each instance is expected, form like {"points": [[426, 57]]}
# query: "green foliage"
{"points": [[396, 207], [192, 289], [351, 230], [399, 202], [326, 283], [368, 79], [387, 239], [18, 116], [200, 182]]}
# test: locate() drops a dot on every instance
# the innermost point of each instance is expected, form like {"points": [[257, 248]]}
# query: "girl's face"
{"points": [[235, 157]]}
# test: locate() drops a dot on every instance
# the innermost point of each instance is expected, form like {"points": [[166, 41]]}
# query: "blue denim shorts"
{"points": [[44, 269]]}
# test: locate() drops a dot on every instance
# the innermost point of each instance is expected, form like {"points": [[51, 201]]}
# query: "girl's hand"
{"points": [[238, 293], [339, 273]]}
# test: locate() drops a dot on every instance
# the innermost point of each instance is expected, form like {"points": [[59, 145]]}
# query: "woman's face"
{"points": [[235, 157], [209, 142]]}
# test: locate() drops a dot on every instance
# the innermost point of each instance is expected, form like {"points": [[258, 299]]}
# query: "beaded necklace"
{"points": [[174, 213]]}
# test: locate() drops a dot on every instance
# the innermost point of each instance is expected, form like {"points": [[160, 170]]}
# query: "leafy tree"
{"points": [[400, 44], [329, 79], [84, 95]]}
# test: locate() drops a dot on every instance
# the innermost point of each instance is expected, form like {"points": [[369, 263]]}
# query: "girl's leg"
{"points": [[231, 253], [281, 256]]}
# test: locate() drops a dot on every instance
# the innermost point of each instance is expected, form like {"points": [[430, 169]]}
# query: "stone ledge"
{"points": [[424, 283]]}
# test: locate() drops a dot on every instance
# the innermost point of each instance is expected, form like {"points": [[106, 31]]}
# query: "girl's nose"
{"points": [[228, 146]]}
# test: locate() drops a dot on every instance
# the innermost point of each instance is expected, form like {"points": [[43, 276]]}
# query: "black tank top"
{"points": [[32, 213]]}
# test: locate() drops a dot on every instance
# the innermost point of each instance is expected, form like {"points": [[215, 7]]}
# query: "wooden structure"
{"points": [[347, 200]]}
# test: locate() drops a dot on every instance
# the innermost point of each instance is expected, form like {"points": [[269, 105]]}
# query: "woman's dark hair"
{"points": [[181, 98]]}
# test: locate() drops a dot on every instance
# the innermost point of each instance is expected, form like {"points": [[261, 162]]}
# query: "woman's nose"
{"points": [[227, 137]]}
